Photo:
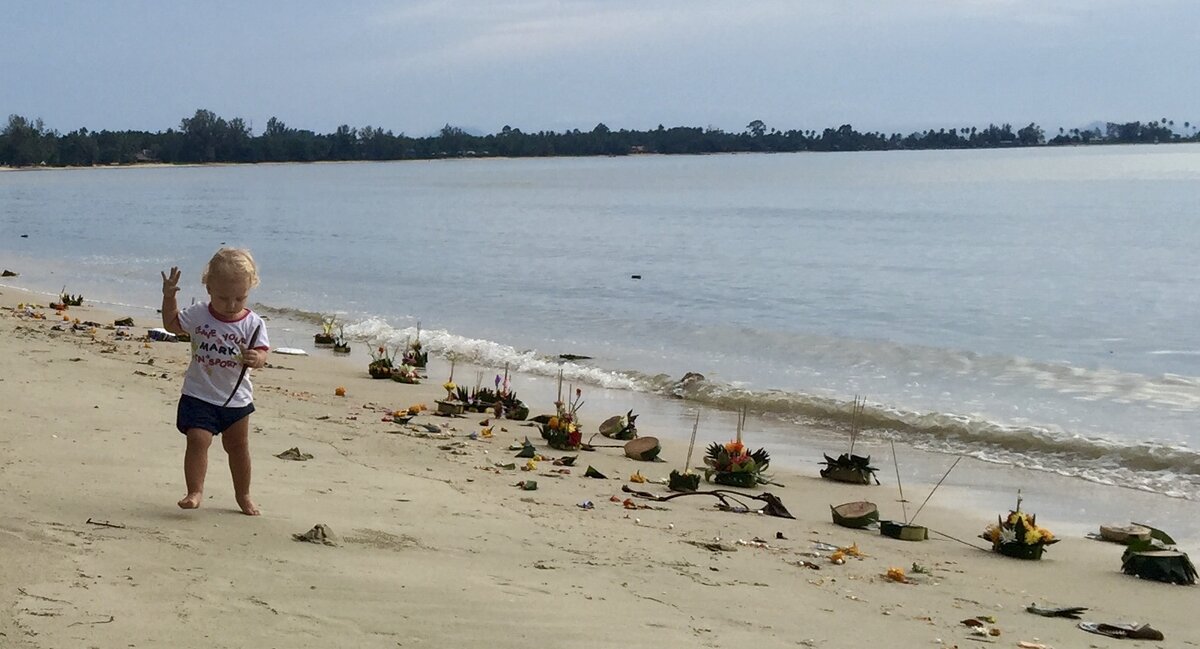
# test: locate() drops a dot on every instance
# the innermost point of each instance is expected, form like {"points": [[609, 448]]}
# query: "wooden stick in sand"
{"points": [[687, 464], [896, 462], [560, 377]]}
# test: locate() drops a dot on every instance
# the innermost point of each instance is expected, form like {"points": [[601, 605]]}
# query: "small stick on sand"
{"points": [[105, 524]]}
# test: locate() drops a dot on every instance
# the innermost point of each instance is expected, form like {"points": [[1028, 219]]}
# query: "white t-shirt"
{"points": [[217, 354]]}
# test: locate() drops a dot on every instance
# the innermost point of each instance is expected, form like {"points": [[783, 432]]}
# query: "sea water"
{"points": [[1031, 306]]}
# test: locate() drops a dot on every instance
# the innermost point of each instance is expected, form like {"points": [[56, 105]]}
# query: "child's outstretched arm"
{"points": [[170, 310]]}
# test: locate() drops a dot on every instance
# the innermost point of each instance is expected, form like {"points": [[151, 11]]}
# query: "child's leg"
{"points": [[236, 440], [195, 466]]}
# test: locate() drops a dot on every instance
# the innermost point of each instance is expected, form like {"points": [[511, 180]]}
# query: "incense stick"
{"points": [[896, 463], [687, 464], [856, 412], [935, 487]]}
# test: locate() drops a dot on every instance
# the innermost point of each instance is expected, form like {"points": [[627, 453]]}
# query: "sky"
{"points": [[413, 66]]}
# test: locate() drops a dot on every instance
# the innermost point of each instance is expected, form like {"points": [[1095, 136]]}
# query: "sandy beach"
{"points": [[437, 546]]}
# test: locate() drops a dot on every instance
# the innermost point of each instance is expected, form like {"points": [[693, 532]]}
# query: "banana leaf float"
{"points": [[856, 515], [645, 449], [854, 469], [622, 427], [902, 531], [1158, 559]]}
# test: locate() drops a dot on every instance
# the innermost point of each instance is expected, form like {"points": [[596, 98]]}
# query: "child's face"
{"points": [[228, 295]]}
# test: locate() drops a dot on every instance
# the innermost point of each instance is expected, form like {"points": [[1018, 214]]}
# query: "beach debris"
{"points": [[161, 335], [566, 460], [773, 506], [591, 472], [527, 485], [637, 477], [896, 575], [118, 526], [294, 453], [1130, 631], [1158, 559], [527, 450], [123, 322], [9, 273], [321, 534], [1025, 644], [1071, 612], [587, 504], [339, 391]]}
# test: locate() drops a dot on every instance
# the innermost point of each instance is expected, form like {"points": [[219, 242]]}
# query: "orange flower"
{"points": [[341, 392]]}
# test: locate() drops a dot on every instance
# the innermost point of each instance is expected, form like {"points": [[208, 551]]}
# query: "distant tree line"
{"points": [[206, 137]]}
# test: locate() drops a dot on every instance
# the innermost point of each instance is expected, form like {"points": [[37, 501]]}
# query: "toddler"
{"points": [[227, 338]]}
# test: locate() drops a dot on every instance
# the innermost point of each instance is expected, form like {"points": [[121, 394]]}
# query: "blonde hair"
{"points": [[231, 263]]}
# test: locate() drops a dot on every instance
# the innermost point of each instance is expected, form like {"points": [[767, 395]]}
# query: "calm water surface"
{"points": [[1034, 307]]}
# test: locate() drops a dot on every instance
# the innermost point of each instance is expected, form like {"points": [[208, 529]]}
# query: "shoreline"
{"points": [[798, 447], [436, 544]]}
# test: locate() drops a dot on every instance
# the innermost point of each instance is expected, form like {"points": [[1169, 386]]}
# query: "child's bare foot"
{"points": [[191, 501], [248, 506]]}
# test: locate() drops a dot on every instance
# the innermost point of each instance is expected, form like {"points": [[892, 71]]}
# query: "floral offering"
{"points": [[1018, 535]]}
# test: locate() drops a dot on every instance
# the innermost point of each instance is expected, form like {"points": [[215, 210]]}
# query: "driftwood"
{"points": [[773, 507]]}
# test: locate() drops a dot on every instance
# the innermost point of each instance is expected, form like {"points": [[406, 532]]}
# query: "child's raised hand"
{"points": [[171, 282]]}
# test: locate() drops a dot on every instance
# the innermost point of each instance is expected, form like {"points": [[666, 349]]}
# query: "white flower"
{"points": [[1007, 535]]}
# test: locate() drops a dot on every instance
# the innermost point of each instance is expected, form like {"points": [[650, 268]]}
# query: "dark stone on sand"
{"points": [[9, 273], [123, 322]]}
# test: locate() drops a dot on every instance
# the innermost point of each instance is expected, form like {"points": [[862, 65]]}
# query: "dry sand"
{"points": [[438, 548]]}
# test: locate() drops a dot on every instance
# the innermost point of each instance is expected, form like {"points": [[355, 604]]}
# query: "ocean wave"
{"points": [[379, 332], [1151, 466], [1163, 468]]}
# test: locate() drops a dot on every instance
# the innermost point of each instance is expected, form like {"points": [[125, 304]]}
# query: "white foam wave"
{"points": [[379, 332]]}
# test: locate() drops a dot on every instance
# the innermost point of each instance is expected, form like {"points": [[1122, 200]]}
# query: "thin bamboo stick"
{"points": [[687, 464], [935, 487], [896, 462]]}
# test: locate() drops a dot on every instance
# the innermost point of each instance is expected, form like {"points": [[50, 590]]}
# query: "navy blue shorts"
{"points": [[198, 413]]}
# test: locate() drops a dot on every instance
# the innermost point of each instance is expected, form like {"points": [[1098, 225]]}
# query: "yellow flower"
{"points": [[1032, 537]]}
